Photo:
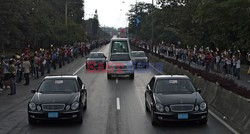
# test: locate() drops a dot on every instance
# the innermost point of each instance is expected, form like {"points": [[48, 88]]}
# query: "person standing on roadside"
{"points": [[237, 73], [36, 65], [12, 70], [26, 69], [248, 59], [6, 73]]}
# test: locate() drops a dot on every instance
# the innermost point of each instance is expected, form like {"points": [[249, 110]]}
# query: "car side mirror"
{"points": [[33, 91], [83, 89], [149, 89], [199, 90]]}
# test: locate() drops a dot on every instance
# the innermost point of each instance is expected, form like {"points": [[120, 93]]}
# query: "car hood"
{"points": [[140, 58], [95, 59], [169, 99], [127, 63], [40, 98]]}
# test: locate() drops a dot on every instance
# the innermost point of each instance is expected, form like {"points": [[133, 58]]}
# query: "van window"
{"points": [[119, 47]]}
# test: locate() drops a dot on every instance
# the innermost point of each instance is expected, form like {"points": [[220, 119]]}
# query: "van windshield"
{"points": [[119, 47]]}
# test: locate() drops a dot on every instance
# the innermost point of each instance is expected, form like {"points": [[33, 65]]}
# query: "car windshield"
{"points": [[166, 86], [55, 86], [119, 47], [120, 57], [96, 55], [138, 54]]}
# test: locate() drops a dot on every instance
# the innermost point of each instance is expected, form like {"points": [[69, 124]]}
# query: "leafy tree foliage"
{"points": [[40, 22], [223, 24]]}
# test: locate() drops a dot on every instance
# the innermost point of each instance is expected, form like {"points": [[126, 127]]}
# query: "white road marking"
{"points": [[79, 69], [118, 107], [213, 114], [116, 80]]}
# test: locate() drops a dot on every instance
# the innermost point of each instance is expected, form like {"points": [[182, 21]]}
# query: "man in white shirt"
{"points": [[26, 70], [238, 68]]}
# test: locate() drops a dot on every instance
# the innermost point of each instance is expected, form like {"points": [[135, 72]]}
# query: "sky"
{"points": [[111, 13]]}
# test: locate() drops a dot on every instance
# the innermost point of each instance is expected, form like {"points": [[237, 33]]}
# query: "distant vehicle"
{"points": [[174, 98], [140, 59], [119, 45], [96, 60], [120, 64], [58, 98]]}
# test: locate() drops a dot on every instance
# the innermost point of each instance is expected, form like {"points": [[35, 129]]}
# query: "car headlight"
{"points": [[67, 107], [159, 107], [167, 109], [203, 106], [38, 108], [196, 108], [75, 105], [32, 106]]}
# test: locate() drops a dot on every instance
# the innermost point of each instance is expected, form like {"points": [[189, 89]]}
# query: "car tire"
{"points": [[31, 121], [108, 76], [79, 119], [85, 105], [154, 120], [146, 106], [203, 121], [132, 76]]}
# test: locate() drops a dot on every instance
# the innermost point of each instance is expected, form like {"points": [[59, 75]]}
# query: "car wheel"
{"points": [[79, 118], [108, 76], [31, 121], [203, 121], [146, 106], [154, 119], [132, 76], [85, 104]]}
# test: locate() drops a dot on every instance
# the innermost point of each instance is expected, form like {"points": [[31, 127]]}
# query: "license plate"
{"points": [[182, 116], [53, 114]]}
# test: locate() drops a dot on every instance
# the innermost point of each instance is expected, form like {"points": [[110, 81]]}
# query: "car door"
{"points": [[149, 92]]}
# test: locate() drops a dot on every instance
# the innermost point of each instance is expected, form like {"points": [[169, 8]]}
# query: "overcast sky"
{"points": [[111, 13]]}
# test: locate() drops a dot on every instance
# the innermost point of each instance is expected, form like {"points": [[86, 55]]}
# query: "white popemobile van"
{"points": [[119, 58]]}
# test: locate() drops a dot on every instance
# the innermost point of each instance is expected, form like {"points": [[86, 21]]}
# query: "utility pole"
{"points": [[152, 26]]}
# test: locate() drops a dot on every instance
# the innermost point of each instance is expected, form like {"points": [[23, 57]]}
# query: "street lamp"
{"points": [[152, 27], [66, 10]]}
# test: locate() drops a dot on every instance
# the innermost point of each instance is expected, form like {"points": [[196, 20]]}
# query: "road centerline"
{"points": [[118, 107]]}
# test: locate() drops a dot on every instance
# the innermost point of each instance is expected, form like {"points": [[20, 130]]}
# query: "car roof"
{"points": [[172, 77], [119, 39], [61, 77], [138, 52], [96, 52]]}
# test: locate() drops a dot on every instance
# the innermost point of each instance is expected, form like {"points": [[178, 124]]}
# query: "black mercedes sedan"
{"points": [[139, 59], [58, 98], [96, 60], [174, 98]]}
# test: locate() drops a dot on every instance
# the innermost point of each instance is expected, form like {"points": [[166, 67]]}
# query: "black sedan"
{"points": [[174, 98], [96, 60], [139, 59], [58, 98]]}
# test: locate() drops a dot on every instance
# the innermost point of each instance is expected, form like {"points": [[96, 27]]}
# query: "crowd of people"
{"points": [[227, 62], [35, 63]]}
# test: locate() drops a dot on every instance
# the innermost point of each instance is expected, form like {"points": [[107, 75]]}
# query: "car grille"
{"points": [[182, 107], [120, 66], [53, 107]]}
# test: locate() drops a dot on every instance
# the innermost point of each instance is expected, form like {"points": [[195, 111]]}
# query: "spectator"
{"points": [[36, 65], [218, 60], [26, 69], [6, 74], [12, 70], [237, 68]]}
